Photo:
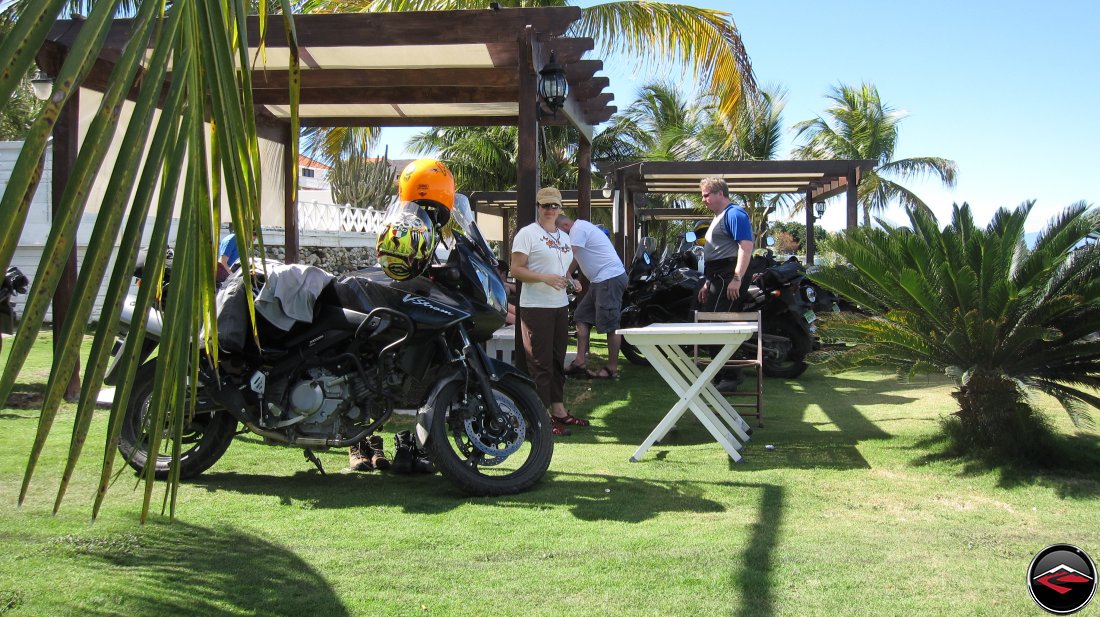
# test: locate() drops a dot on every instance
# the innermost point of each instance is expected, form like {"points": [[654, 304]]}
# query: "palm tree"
{"points": [[862, 127], [1002, 319], [154, 160], [756, 132], [662, 125]]}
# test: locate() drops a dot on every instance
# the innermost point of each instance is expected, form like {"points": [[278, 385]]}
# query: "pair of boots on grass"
{"points": [[368, 455]]}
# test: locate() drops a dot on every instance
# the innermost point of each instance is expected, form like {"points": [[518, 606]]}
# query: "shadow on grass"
{"points": [[756, 578], [181, 569], [629, 408], [24, 396], [589, 497], [1069, 469]]}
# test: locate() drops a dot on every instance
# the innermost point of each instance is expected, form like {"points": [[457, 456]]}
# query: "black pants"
{"points": [[718, 275]]}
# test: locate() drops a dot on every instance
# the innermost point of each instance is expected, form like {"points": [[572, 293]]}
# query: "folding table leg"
{"points": [[686, 380], [710, 396]]}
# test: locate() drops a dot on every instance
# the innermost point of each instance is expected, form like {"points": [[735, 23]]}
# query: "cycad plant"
{"points": [[1003, 319]]}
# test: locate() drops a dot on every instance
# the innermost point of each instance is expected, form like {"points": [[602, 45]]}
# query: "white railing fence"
{"points": [[313, 216]]}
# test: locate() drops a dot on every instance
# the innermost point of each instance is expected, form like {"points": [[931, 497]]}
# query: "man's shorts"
{"points": [[602, 305]]}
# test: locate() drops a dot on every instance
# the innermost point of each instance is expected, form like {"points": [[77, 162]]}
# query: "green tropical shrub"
{"points": [[1002, 319], [363, 182]]}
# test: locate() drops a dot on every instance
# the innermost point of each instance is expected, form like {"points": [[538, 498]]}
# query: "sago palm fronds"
{"points": [[1004, 320]]}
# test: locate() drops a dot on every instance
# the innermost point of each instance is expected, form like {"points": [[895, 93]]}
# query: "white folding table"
{"points": [[661, 344]]}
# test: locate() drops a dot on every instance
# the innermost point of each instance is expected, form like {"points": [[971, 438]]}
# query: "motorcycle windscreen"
{"points": [[466, 222]]}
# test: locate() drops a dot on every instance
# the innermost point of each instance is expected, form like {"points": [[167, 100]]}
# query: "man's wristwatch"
{"points": [[736, 278]]}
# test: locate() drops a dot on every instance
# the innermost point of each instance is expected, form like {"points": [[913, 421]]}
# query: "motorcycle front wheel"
{"points": [[633, 354], [206, 436], [491, 458]]}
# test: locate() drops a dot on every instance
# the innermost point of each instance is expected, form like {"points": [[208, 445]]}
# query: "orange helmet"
{"points": [[427, 179]]}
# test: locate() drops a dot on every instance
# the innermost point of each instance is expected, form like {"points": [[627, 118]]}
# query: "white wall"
{"points": [[36, 230]]}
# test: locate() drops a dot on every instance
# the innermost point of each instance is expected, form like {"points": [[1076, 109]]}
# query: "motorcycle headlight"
{"points": [[810, 293]]}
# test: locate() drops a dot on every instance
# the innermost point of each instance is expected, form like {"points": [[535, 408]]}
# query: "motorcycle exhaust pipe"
{"points": [[309, 442]]}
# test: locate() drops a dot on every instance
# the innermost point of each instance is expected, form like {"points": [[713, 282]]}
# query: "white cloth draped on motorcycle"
{"points": [[288, 295]]}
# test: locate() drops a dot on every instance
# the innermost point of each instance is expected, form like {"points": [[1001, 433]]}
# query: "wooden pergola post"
{"points": [[809, 228], [290, 198], [853, 200], [527, 168], [584, 180], [65, 145]]}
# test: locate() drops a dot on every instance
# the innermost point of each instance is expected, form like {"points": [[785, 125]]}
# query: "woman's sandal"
{"points": [[603, 373], [576, 370], [569, 418], [558, 428]]}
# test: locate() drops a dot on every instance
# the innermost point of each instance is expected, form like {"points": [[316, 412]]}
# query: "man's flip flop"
{"points": [[603, 373]]}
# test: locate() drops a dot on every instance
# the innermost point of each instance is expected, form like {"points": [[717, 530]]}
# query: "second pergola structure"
{"points": [[816, 181]]}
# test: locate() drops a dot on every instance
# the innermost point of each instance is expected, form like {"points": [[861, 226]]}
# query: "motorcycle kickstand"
{"points": [[311, 457]]}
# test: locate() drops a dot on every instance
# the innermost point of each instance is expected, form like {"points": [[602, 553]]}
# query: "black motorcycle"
{"points": [[664, 291], [14, 282], [371, 348], [660, 290]]}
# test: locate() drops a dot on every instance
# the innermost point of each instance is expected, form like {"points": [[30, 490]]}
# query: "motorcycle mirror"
{"points": [[770, 241], [690, 236]]}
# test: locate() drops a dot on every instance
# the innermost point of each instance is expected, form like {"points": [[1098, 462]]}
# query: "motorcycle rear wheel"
{"points": [[484, 460], [206, 436], [792, 366]]}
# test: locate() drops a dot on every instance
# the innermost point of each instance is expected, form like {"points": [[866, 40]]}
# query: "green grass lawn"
{"points": [[851, 514]]}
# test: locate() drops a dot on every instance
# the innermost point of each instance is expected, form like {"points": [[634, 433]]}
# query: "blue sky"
{"points": [[1008, 90]]}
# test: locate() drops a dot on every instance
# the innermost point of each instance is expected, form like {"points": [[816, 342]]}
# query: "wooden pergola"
{"points": [[425, 68], [816, 181]]}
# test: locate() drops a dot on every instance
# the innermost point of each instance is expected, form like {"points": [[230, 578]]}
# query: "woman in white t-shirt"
{"points": [[541, 253]]}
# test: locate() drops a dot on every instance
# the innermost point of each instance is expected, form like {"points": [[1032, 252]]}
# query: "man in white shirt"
{"points": [[602, 305]]}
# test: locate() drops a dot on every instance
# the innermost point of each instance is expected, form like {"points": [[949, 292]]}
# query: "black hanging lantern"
{"points": [[819, 208], [553, 85]]}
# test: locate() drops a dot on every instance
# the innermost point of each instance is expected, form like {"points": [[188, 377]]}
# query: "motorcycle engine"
{"points": [[317, 404]]}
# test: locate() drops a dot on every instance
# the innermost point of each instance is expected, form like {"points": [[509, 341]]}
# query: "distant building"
{"points": [[313, 183]]}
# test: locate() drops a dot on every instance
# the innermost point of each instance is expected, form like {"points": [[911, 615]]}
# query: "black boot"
{"points": [[421, 462], [403, 446]]}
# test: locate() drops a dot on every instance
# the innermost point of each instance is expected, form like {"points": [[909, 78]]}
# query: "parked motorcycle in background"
{"points": [[14, 282], [660, 290], [664, 290]]}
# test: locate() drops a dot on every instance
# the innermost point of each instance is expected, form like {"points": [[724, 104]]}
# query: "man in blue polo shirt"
{"points": [[726, 257]]}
